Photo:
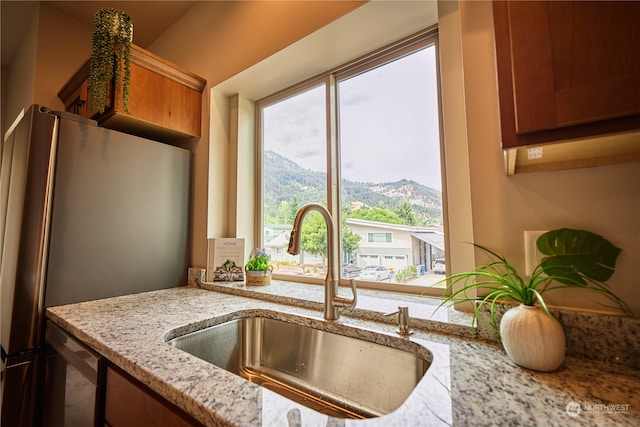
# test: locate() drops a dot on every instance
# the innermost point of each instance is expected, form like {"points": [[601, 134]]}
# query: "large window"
{"points": [[363, 140]]}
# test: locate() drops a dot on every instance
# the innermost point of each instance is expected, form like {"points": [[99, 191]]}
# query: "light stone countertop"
{"points": [[470, 382]]}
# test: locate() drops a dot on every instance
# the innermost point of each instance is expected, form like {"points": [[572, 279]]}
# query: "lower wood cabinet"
{"points": [[129, 403]]}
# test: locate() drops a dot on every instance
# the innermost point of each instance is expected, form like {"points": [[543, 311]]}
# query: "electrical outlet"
{"points": [[531, 254], [534, 153]]}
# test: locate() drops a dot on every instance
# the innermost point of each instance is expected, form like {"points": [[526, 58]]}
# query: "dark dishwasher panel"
{"points": [[74, 384], [18, 393]]}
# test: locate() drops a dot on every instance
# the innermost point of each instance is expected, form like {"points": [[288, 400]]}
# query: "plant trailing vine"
{"points": [[110, 57]]}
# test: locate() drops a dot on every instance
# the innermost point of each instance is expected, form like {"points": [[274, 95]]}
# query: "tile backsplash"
{"points": [[607, 337], [195, 276]]}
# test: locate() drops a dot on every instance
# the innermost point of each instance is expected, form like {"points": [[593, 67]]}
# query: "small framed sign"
{"points": [[225, 259]]}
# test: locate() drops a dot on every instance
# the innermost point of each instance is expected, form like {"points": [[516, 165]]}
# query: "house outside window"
{"points": [[362, 140]]}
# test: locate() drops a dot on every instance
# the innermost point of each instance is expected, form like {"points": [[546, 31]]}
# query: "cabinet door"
{"points": [[75, 94], [77, 103], [567, 64], [131, 404]]}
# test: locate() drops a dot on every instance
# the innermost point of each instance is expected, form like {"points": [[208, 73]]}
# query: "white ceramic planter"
{"points": [[533, 339]]}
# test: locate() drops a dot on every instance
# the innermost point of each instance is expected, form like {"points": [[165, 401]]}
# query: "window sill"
{"points": [[372, 305]]}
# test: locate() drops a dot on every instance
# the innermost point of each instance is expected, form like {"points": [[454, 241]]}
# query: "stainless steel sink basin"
{"points": [[307, 361]]}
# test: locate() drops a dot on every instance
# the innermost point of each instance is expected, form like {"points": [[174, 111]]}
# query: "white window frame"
{"points": [[420, 40], [230, 156]]}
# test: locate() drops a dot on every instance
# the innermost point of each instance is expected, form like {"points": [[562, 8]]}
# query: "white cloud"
{"points": [[388, 124]]}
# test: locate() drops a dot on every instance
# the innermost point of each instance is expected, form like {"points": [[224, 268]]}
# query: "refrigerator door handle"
{"points": [[41, 274]]}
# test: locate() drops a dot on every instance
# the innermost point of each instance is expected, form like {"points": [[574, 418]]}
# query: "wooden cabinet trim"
{"points": [[505, 79], [532, 64], [576, 105], [145, 59], [165, 68], [74, 82]]}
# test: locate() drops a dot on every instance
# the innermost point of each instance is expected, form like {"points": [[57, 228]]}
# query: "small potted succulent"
{"points": [[531, 336], [258, 268], [110, 57]]}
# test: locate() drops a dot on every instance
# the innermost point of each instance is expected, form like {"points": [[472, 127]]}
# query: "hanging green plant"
{"points": [[110, 57]]}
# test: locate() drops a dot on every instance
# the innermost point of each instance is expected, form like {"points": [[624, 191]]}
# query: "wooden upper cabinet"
{"points": [[165, 101], [567, 69]]}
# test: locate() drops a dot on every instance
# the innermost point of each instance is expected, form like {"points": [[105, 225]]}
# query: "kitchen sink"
{"points": [[362, 374]]}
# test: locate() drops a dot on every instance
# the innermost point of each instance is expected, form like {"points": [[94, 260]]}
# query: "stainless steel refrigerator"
{"points": [[86, 213]]}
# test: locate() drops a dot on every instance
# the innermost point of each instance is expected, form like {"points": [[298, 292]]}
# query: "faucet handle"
{"points": [[339, 301], [293, 246], [403, 320]]}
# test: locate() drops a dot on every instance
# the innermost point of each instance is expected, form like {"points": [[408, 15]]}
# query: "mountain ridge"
{"points": [[286, 181]]}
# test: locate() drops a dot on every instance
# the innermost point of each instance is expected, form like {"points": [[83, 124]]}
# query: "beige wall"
{"points": [[217, 40], [604, 200], [55, 46], [64, 44], [18, 79]]}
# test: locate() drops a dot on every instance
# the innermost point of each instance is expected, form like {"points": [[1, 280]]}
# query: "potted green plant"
{"points": [[531, 336], [258, 268], [110, 57]]}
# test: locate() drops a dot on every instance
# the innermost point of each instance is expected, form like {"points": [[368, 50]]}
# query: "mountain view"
{"points": [[287, 184]]}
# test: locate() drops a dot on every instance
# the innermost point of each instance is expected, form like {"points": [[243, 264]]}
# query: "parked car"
{"points": [[350, 271], [375, 272], [439, 266]]}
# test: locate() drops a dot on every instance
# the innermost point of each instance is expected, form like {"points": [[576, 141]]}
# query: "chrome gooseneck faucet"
{"points": [[331, 299]]}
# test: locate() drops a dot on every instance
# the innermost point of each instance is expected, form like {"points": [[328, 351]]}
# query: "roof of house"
{"points": [[280, 240], [389, 226], [435, 239]]}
